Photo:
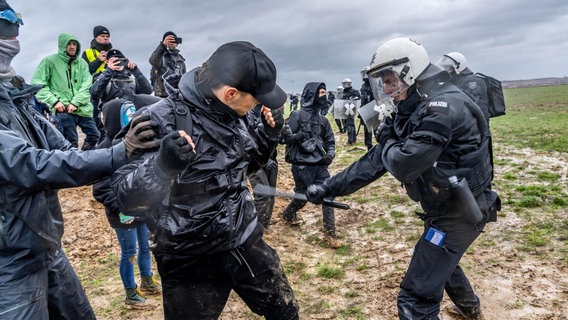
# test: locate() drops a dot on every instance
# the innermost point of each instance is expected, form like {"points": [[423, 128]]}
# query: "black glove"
{"points": [[316, 193], [327, 159], [175, 154], [274, 132], [384, 132], [141, 135], [271, 165], [300, 136]]}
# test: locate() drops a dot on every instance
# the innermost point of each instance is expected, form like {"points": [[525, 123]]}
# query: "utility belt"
{"points": [[474, 167]]}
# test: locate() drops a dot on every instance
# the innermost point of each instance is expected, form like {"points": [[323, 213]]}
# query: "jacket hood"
{"points": [[189, 90], [309, 95], [62, 42]]}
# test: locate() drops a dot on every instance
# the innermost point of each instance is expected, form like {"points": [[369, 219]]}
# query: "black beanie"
{"points": [[114, 53], [7, 28], [98, 30], [167, 34]]}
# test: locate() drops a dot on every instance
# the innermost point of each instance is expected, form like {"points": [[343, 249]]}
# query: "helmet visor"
{"points": [[446, 63], [387, 84]]}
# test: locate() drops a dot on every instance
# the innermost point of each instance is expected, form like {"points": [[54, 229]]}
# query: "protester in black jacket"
{"points": [[208, 238], [437, 133], [36, 279], [266, 175], [122, 79], [310, 148], [165, 61]]}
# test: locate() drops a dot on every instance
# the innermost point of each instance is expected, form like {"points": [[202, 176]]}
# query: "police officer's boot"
{"points": [[469, 313], [330, 238], [289, 213]]}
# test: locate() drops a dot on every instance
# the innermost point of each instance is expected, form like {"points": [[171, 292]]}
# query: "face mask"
{"points": [[8, 50], [321, 100]]}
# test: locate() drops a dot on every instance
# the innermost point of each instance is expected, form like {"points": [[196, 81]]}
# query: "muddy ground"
{"points": [[513, 283]]}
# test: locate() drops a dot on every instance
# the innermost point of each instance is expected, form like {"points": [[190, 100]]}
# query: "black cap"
{"points": [[114, 53], [98, 30], [241, 65], [169, 33], [7, 28]]}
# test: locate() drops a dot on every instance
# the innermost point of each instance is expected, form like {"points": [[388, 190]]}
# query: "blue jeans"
{"points": [[69, 123], [128, 238]]}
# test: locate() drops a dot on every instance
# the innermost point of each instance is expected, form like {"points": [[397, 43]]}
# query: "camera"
{"points": [[123, 62], [178, 40]]}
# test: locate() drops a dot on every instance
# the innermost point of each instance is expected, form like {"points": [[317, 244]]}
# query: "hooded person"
{"points": [[310, 148], [36, 279], [208, 235], [66, 93]]}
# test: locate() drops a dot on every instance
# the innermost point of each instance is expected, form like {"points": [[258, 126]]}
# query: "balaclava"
{"points": [[8, 50], [9, 44]]}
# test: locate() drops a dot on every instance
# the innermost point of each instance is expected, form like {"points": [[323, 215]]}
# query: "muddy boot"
{"points": [[471, 313], [332, 241], [149, 285], [289, 213], [135, 298]]}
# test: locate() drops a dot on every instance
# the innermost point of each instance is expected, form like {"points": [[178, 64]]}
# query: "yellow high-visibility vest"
{"points": [[93, 54]]}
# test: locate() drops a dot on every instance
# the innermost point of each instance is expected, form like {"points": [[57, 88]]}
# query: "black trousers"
{"points": [[197, 287], [434, 269], [264, 204]]}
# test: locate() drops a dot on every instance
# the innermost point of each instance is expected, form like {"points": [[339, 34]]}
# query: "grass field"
{"points": [[518, 265]]}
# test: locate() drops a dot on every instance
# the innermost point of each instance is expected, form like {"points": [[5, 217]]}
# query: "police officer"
{"points": [[366, 97], [350, 94], [465, 79], [437, 133]]}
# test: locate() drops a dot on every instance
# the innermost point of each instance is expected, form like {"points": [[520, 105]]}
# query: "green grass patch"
{"points": [[327, 271]]}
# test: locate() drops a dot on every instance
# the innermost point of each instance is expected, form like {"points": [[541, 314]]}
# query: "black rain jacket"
{"points": [[36, 161], [317, 137], [438, 134], [208, 207]]}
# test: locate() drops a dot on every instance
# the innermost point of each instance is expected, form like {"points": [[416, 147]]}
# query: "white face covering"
{"points": [[8, 50]]}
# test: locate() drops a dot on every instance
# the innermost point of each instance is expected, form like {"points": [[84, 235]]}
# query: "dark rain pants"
{"points": [[51, 293], [435, 268], [264, 204], [197, 287], [303, 177]]}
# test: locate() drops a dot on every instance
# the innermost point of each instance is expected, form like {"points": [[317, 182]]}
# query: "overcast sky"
{"points": [[313, 40]]}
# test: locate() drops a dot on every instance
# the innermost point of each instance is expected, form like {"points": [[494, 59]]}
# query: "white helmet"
{"points": [[405, 57], [364, 72], [346, 83], [455, 60]]}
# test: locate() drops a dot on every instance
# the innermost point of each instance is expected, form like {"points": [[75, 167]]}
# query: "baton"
{"points": [[272, 191]]}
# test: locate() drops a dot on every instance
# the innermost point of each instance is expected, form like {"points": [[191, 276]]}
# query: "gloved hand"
{"points": [[175, 153], [271, 165], [141, 135], [316, 193], [300, 136], [273, 132], [327, 159], [384, 132]]}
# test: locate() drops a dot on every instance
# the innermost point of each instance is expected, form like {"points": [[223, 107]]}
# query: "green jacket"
{"points": [[65, 79]]}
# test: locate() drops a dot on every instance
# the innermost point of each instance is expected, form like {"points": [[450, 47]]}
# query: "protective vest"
{"points": [[93, 54]]}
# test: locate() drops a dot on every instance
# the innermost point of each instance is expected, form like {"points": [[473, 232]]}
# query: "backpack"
{"points": [[495, 95]]}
